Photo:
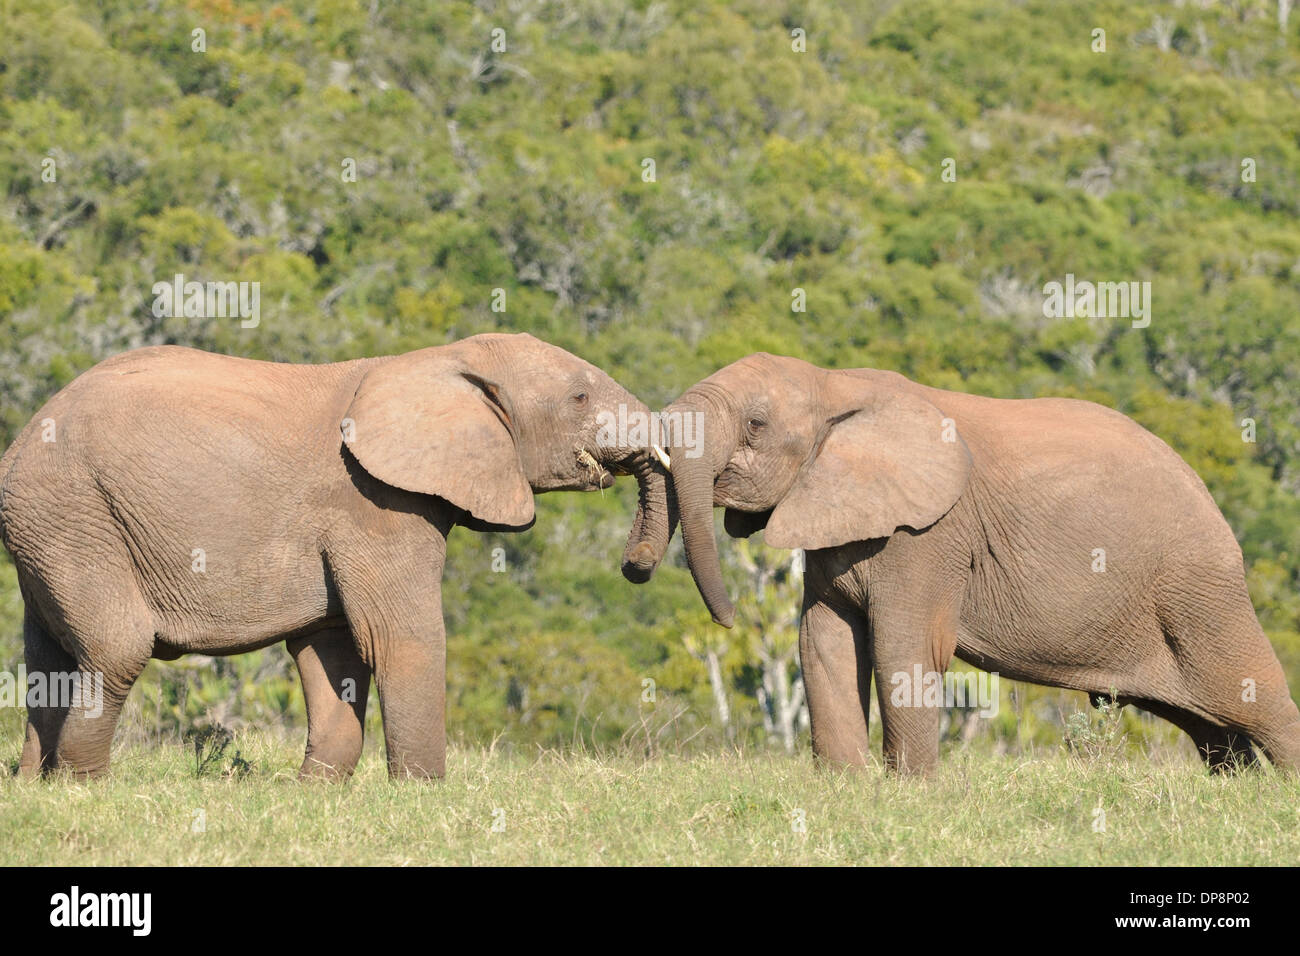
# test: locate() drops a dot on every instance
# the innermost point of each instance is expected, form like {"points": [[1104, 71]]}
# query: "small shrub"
{"points": [[1098, 734], [210, 746]]}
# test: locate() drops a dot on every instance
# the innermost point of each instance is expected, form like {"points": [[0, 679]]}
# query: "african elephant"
{"points": [[1050, 540], [172, 501]]}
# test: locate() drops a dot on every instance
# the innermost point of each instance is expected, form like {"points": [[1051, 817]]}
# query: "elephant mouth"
{"points": [[597, 481], [603, 473], [592, 473], [588, 474]]}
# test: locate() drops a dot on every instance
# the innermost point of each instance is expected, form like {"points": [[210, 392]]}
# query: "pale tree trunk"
{"points": [[1163, 30], [709, 651], [789, 713], [780, 698], [719, 693], [774, 618]]}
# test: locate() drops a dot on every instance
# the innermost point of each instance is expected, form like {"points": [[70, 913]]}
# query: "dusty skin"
{"points": [[1051, 540], [171, 501]]}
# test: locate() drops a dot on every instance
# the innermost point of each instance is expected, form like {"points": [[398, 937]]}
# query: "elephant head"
{"points": [[490, 420], [817, 457]]}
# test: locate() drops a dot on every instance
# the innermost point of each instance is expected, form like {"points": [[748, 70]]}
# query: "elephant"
{"points": [[172, 501], [1048, 540]]}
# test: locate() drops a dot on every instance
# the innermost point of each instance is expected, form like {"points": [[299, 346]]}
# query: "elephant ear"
{"points": [[428, 424], [891, 461]]}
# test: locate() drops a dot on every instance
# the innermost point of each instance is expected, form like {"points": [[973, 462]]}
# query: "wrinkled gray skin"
{"points": [[937, 522], [197, 503]]}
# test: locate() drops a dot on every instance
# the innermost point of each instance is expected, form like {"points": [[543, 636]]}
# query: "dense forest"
{"points": [[661, 188]]}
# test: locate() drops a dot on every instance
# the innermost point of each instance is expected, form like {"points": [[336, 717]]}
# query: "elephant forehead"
{"points": [[530, 353], [765, 373], [761, 384], [547, 367]]}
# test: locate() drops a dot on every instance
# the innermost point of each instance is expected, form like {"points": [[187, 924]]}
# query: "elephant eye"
{"points": [[756, 423], [580, 398]]}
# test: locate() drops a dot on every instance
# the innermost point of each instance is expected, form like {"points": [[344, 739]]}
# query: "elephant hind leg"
{"points": [[335, 685], [1235, 683], [1273, 723], [111, 633], [1224, 749], [45, 715], [1262, 705], [86, 739]]}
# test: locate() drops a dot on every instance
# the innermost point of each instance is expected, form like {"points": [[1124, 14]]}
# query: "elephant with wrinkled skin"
{"points": [[172, 501], [1049, 540]]}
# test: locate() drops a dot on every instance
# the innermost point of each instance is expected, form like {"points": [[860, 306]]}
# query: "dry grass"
{"points": [[497, 808]]}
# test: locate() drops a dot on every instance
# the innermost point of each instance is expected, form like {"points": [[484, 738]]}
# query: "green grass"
{"points": [[573, 808]]}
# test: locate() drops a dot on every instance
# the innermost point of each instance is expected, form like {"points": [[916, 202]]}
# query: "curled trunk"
{"points": [[686, 492], [656, 519]]}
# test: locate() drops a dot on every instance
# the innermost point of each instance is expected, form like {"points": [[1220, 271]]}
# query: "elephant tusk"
{"points": [[663, 457]]}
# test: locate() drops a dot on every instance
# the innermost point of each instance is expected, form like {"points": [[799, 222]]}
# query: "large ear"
{"points": [[426, 423], [890, 461]]}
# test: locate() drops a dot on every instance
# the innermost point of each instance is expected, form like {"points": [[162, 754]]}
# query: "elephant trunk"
{"points": [[693, 473], [656, 519]]}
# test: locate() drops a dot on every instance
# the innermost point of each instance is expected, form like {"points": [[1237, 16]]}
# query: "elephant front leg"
{"points": [[393, 608], [836, 665], [910, 722], [411, 676], [911, 654], [335, 685]]}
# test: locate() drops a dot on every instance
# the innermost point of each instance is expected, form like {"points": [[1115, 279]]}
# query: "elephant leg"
{"points": [[836, 665], [910, 651], [1233, 679], [335, 686], [1279, 738], [411, 677], [1258, 703], [112, 631], [45, 715], [86, 738], [387, 572], [1223, 749], [398, 631], [909, 725]]}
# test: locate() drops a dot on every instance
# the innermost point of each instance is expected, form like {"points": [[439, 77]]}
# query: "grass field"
{"points": [[574, 808]]}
